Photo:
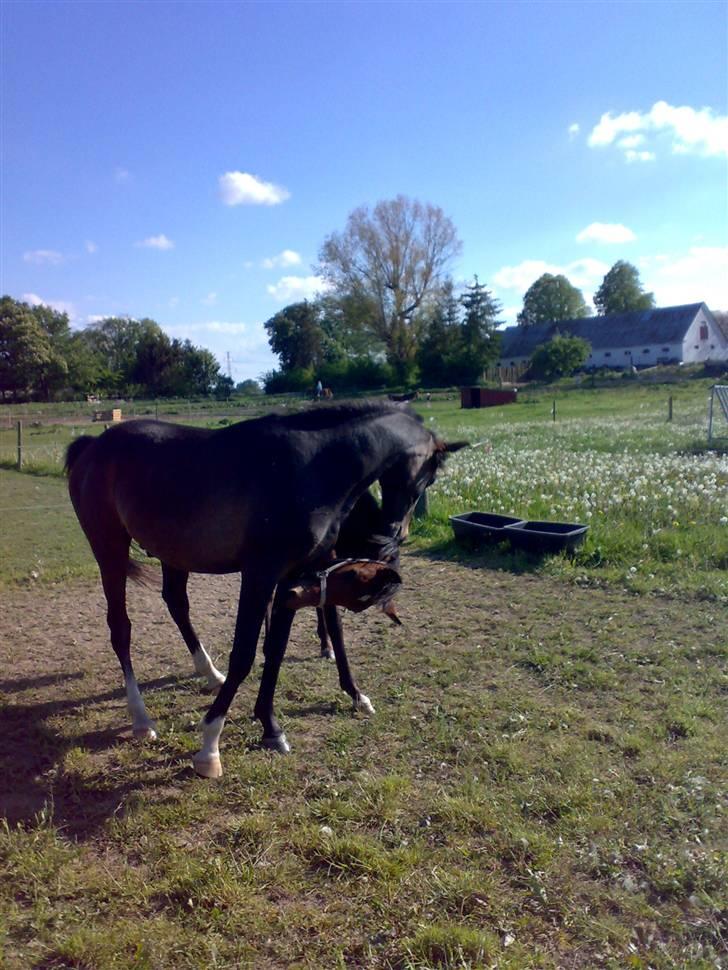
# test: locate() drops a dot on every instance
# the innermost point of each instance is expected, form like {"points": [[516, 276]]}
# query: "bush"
{"points": [[281, 382], [560, 357]]}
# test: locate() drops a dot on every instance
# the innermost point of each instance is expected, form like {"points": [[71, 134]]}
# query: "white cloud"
{"points": [[121, 174], [606, 232], [633, 156], [247, 344], [700, 275], [574, 130], [61, 306], [583, 273], [44, 257], [241, 188], [688, 131], [173, 301], [288, 257], [296, 288], [91, 246], [209, 300], [156, 242], [631, 141]]}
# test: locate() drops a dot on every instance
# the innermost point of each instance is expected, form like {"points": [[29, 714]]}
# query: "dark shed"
{"points": [[485, 397]]}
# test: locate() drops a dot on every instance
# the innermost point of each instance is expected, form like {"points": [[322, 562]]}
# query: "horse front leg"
{"points": [[255, 595], [274, 648], [332, 618], [174, 594]]}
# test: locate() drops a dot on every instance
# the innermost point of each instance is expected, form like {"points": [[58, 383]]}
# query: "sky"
{"points": [[186, 161]]}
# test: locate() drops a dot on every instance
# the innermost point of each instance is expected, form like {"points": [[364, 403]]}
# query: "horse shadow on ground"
{"points": [[499, 556], [32, 751]]}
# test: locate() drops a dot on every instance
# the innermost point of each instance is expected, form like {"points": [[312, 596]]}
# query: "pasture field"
{"points": [[543, 785], [655, 499]]}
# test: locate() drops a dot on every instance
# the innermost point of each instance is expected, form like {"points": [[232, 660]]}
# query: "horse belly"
{"points": [[187, 539]]}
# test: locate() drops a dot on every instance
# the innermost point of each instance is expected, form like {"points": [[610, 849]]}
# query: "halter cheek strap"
{"points": [[323, 576]]}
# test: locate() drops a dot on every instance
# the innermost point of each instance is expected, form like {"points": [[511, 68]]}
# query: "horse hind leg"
{"points": [[174, 593], [327, 650], [113, 578]]}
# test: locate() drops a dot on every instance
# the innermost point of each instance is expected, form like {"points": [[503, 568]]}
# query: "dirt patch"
{"points": [[58, 666]]}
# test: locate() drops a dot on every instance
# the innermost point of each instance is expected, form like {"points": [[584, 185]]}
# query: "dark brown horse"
{"points": [[265, 498]]}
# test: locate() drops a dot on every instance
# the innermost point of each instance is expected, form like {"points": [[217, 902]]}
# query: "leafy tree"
{"points": [[479, 338], [114, 340], [249, 387], [200, 370], [391, 261], [85, 365], [25, 350], [442, 339], [154, 359], [552, 298], [561, 356], [621, 291], [223, 387], [295, 335], [343, 320], [53, 376]]}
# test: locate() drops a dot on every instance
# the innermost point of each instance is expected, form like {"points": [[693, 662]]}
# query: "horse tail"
{"points": [[143, 574], [76, 449]]}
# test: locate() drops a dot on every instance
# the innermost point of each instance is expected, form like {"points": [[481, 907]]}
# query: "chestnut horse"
{"points": [[265, 498]]}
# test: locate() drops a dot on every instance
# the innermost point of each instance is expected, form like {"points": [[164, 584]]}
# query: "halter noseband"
{"points": [[323, 576]]}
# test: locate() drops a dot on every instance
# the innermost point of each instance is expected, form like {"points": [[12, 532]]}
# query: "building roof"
{"points": [[666, 325]]}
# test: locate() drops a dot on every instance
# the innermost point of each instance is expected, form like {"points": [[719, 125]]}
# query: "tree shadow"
{"points": [[32, 752]]}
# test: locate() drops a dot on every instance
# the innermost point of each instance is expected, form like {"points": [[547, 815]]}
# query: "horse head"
{"points": [[407, 477]]}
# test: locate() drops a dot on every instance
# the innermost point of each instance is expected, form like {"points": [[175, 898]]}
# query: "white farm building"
{"points": [[670, 335]]}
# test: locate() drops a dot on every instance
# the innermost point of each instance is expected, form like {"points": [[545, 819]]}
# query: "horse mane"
{"points": [[331, 415]]}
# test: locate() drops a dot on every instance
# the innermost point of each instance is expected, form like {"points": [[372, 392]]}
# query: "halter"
{"points": [[323, 576]]}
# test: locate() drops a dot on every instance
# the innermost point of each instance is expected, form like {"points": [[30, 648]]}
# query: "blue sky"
{"points": [[185, 161]]}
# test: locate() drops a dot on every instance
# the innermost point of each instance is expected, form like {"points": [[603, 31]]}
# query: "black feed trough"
{"points": [[546, 536], [482, 526]]}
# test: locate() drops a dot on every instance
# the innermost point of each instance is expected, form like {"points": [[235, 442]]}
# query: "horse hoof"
{"points": [[364, 705], [327, 654], [208, 767], [215, 681], [146, 733], [277, 743]]}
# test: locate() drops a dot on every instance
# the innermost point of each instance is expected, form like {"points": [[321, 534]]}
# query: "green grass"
{"points": [[541, 788], [543, 783], [653, 496]]}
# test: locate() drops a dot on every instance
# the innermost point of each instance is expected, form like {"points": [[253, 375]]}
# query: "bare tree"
{"points": [[392, 261]]}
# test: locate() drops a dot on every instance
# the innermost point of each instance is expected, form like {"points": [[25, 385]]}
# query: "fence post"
{"points": [[669, 408], [553, 411], [20, 445]]}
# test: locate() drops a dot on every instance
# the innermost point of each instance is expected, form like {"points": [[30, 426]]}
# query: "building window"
{"points": [[696, 346], [703, 331], [646, 350], [666, 350], [608, 354], [628, 352]]}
